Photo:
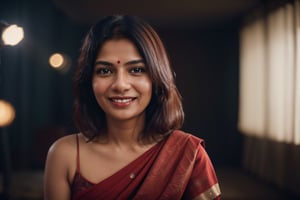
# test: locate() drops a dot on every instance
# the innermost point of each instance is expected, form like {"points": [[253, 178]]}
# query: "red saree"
{"points": [[176, 168]]}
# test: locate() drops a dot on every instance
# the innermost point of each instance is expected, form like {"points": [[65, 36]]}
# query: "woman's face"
{"points": [[120, 82]]}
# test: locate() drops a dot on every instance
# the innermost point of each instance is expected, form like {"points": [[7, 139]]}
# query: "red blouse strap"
{"points": [[78, 153]]}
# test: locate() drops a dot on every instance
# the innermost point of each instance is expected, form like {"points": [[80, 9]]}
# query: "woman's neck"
{"points": [[125, 132]]}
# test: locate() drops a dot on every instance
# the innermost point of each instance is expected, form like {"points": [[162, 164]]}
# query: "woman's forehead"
{"points": [[122, 48]]}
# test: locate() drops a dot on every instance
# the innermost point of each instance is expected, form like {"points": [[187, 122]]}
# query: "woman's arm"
{"points": [[56, 181]]}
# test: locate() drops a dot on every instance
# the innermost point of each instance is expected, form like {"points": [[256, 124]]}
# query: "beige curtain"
{"points": [[269, 107], [269, 76], [252, 79]]}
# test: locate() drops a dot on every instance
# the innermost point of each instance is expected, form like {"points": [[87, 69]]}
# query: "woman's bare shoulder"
{"points": [[63, 146], [60, 164]]}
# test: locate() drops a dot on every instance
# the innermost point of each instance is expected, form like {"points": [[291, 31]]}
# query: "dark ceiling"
{"points": [[167, 12]]}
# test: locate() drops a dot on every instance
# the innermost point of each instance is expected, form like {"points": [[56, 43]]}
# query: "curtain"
{"points": [[269, 103], [269, 75], [252, 83]]}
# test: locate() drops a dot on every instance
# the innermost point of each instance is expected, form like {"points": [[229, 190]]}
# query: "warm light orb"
{"points": [[60, 62], [56, 60], [7, 113], [12, 35]]}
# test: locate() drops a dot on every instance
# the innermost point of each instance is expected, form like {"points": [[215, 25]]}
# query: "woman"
{"points": [[128, 112]]}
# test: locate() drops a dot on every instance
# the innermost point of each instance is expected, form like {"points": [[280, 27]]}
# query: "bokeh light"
{"points": [[56, 60], [12, 35], [60, 62], [7, 113]]}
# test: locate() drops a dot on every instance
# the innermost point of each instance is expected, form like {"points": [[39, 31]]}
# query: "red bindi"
{"points": [[118, 62]]}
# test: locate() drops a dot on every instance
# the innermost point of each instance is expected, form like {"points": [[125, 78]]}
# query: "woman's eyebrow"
{"points": [[135, 62], [100, 62]]}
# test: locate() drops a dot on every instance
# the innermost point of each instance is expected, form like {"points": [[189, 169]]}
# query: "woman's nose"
{"points": [[121, 82]]}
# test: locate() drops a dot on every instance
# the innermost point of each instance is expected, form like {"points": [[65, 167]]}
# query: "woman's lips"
{"points": [[122, 101]]}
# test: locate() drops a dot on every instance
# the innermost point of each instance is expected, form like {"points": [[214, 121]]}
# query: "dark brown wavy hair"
{"points": [[164, 112]]}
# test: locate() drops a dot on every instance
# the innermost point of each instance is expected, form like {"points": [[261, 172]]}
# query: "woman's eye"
{"points": [[137, 70], [103, 71]]}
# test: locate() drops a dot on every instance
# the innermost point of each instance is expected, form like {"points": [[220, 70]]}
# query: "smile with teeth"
{"points": [[122, 100]]}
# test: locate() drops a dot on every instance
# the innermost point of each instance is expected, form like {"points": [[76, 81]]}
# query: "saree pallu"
{"points": [[176, 168]]}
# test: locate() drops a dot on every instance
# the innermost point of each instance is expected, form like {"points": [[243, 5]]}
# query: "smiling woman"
{"points": [[128, 112], [123, 91]]}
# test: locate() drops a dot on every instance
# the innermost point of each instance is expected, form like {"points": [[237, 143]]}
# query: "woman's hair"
{"points": [[164, 112]]}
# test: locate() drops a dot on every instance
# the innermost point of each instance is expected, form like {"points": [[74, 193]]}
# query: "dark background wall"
{"points": [[206, 64], [205, 59]]}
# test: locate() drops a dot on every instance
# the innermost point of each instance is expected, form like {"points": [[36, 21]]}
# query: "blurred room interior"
{"points": [[237, 66]]}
